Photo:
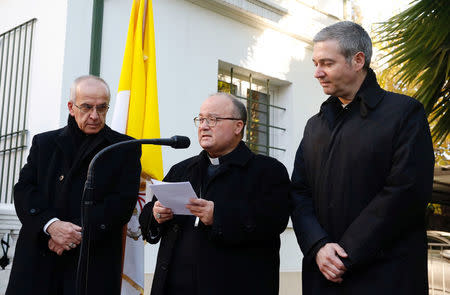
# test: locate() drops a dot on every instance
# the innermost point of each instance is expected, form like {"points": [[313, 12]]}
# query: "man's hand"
{"points": [[161, 213], [58, 249], [65, 234], [203, 209], [329, 263]]}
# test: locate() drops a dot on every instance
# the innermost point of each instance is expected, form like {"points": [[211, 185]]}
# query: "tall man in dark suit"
{"points": [[362, 178], [231, 243], [48, 194]]}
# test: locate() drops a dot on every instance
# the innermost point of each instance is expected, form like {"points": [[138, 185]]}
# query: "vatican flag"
{"points": [[136, 114], [133, 266], [136, 110]]}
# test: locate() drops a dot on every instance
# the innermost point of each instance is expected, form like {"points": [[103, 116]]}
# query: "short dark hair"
{"points": [[352, 38], [239, 112]]}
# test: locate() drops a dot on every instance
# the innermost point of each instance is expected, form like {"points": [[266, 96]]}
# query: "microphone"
{"points": [[176, 142], [181, 142]]}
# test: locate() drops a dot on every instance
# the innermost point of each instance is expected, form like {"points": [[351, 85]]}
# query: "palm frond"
{"points": [[417, 44]]}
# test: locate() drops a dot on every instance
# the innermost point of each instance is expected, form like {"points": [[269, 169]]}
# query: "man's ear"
{"points": [[70, 107], [358, 61], [239, 127]]}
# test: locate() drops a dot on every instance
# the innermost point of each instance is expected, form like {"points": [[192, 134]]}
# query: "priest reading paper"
{"points": [[231, 243]]}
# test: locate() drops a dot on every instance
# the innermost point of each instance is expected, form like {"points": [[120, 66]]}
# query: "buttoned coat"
{"points": [[362, 178], [239, 252], [50, 185]]}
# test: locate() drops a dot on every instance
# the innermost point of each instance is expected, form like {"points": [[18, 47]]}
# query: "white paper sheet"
{"points": [[174, 195]]}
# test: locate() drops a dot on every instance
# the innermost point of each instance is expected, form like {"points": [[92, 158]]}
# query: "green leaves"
{"points": [[417, 43]]}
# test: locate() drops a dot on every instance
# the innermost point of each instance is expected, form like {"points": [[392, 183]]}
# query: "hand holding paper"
{"points": [[161, 213], [203, 209], [174, 195]]}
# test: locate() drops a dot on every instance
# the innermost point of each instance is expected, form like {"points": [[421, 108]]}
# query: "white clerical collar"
{"points": [[214, 161], [344, 105]]}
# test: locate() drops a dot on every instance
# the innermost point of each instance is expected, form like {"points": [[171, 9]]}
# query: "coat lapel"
{"points": [[72, 159], [65, 145]]}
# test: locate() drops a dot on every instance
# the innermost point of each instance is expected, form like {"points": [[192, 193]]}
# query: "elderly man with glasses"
{"points": [[230, 245], [48, 194]]}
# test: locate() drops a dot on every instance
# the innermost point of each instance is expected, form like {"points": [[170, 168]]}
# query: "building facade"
{"points": [[260, 50]]}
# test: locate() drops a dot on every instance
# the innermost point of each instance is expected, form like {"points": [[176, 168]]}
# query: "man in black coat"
{"points": [[48, 194], [230, 245], [362, 178]]}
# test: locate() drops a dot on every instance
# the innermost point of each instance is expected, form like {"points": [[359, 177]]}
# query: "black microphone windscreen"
{"points": [[180, 142]]}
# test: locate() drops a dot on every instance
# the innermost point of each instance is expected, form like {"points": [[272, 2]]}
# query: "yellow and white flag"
{"points": [[136, 114], [133, 266]]}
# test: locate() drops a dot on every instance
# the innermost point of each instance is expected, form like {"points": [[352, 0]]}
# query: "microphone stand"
{"points": [[87, 202]]}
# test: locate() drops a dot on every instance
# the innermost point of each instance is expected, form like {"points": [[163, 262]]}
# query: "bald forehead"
{"points": [[92, 87], [92, 83], [217, 105]]}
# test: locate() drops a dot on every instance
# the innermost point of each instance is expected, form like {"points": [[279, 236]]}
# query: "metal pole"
{"points": [[96, 37], [26, 93], [7, 110], [231, 81], [19, 132], [11, 136], [3, 100]]}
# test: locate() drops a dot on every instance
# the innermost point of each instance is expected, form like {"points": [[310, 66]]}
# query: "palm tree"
{"points": [[419, 46]]}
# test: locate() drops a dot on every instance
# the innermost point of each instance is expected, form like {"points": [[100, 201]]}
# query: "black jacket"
{"points": [[362, 178], [50, 185], [239, 253]]}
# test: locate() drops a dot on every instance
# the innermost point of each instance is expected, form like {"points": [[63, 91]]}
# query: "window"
{"points": [[15, 55], [258, 96]]}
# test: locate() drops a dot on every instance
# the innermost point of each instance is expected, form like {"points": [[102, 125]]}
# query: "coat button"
{"points": [[61, 178], [175, 228], [32, 211], [102, 226]]}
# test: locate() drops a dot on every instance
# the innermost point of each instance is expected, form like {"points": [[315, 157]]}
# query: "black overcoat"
{"points": [[50, 185], [239, 253], [362, 178]]}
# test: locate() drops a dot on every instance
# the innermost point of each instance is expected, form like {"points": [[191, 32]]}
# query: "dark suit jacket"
{"points": [[362, 178], [239, 252], [50, 185]]}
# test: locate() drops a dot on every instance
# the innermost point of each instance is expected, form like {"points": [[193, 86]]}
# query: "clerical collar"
{"points": [[214, 161]]}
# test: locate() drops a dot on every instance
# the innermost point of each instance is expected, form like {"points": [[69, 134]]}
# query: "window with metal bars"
{"points": [[15, 57], [257, 95]]}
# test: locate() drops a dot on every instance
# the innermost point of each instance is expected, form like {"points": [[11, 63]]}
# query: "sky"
{"points": [[374, 11]]}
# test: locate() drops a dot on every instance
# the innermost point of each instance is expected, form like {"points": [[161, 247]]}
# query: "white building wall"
{"points": [[76, 50], [47, 57]]}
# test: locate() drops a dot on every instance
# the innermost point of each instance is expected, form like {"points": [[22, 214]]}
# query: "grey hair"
{"points": [[77, 81], [352, 38], [239, 109]]}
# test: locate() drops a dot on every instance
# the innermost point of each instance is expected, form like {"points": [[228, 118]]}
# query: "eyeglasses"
{"points": [[87, 108], [211, 121]]}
